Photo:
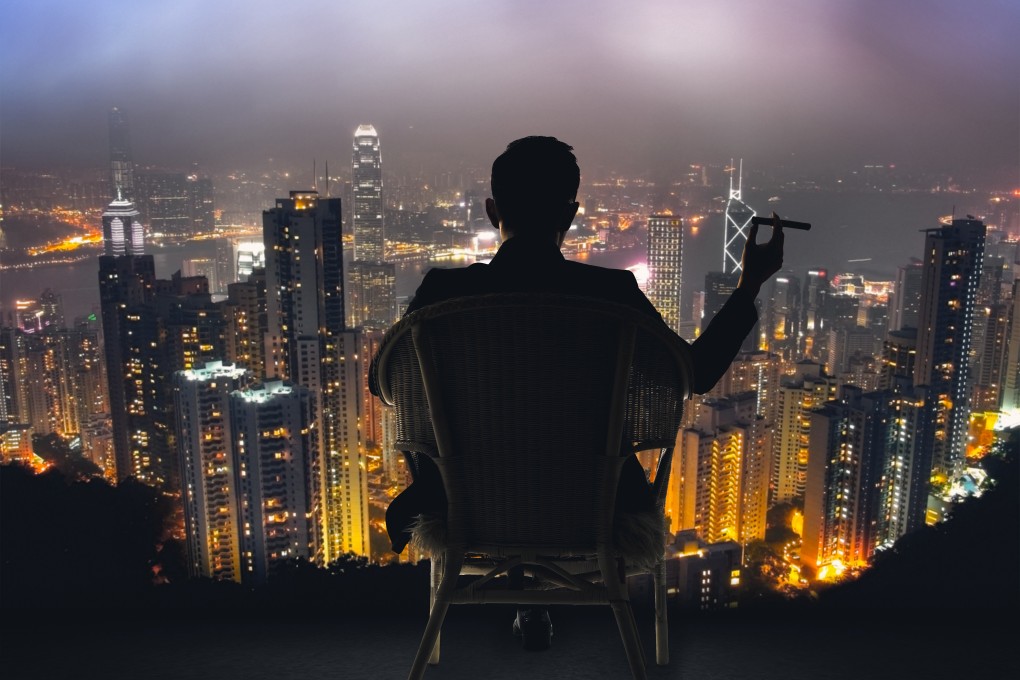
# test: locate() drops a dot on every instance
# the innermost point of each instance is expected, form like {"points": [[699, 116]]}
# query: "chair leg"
{"points": [[616, 585], [436, 571], [661, 615], [629, 635], [429, 641]]}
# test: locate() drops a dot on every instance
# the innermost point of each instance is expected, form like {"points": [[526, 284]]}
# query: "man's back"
{"points": [[525, 265]]}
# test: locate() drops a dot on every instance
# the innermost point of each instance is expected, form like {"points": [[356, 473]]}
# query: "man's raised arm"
{"points": [[715, 349]]}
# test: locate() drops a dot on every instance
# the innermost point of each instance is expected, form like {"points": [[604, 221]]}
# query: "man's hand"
{"points": [[761, 260]]}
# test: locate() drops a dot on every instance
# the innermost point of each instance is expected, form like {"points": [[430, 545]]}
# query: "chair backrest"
{"points": [[527, 402]]}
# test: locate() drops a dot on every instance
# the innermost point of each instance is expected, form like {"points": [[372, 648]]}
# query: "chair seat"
{"points": [[639, 537]]}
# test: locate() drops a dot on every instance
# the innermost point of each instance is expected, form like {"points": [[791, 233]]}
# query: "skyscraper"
{"points": [[208, 468], [310, 346], [152, 328], [813, 302], [1010, 400], [124, 282], [122, 183], [372, 299], [273, 437], [952, 273], [245, 310], [737, 225], [719, 481], [122, 228], [808, 389], [168, 200], [369, 236], [845, 467], [782, 316], [906, 297], [665, 259]]}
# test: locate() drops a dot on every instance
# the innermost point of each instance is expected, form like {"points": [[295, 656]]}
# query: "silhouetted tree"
{"points": [[970, 560], [76, 543]]}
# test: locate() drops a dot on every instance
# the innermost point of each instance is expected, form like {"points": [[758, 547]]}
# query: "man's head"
{"points": [[534, 188]]}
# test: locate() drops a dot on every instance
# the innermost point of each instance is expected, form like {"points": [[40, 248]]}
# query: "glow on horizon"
{"points": [[640, 271]]}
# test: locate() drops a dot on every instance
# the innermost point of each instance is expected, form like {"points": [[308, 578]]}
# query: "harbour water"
{"points": [[869, 233]]}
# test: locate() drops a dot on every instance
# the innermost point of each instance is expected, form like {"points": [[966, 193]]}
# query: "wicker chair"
{"points": [[529, 404]]}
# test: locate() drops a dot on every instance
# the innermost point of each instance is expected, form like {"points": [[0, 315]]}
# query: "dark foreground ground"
{"points": [[477, 643]]}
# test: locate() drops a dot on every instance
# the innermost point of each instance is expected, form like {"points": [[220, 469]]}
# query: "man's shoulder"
{"points": [[592, 271], [444, 276]]}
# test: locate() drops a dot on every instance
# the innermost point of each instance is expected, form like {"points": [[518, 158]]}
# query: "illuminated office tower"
{"points": [[990, 367], [346, 487], [372, 295], [737, 225], [371, 409], [813, 302], [847, 342], [719, 480], [665, 260], [906, 297], [202, 266], [366, 176], [167, 201], [272, 432], [13, 398], [903, 488], [152, 328], [899, 355], [42, 383], [806, 390], [952, 274], [757, 372], [307, 343], [247, 257], [16, 444], [62, 380], [209, 468], [125, 282], [201, 204], [783, 316], [121, 161], [44, 312], [395, 470], [847, 443], [1010, 402], [122, 229], [247, 324]]}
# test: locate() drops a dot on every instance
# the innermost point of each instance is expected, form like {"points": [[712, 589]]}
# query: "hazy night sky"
{"points": [[933, 83]]}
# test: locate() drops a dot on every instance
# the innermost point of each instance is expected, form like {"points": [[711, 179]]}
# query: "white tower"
{"points": [[738, 223]]}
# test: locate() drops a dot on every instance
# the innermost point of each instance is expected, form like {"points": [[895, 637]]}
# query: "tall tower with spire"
{"points": [[122, 229], [738, 223], [366, 173], [122, 178]]}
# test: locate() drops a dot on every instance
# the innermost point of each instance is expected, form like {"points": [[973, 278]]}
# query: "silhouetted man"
{"points": [[534, 201]]}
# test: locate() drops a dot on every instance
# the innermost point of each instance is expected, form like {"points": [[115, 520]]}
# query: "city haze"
{"points": [[633, 86]]}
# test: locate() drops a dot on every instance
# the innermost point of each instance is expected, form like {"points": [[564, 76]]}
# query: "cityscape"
{"points": [[205, 238], [234, 381]]}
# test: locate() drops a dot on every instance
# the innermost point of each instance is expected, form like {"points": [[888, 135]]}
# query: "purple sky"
{"points": [[932, 83]]}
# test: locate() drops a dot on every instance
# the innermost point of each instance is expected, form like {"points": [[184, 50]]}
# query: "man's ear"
{"points": [[490, 210]]}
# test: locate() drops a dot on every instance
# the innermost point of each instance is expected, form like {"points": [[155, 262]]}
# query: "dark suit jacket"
{"points": [[526, 265], [522, 266]]}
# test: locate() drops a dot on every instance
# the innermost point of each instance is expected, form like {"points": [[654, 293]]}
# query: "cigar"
{"points": [[787, 224]]}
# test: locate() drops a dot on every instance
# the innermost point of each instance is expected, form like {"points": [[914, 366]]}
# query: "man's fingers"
{"points": [[777, 228], [752, 236]]}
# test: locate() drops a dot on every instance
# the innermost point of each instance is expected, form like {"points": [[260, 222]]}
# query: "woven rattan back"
{"points": [[534, 398]]}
